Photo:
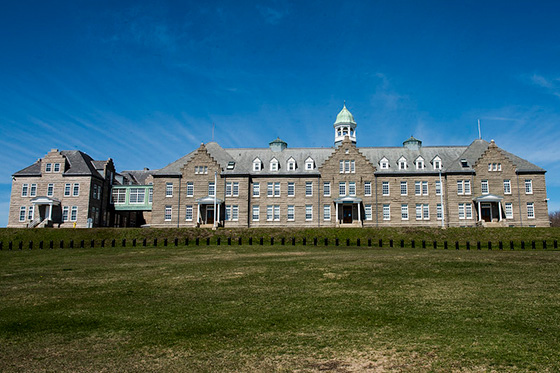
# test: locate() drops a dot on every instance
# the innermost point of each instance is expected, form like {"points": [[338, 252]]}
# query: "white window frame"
{"points": [[291, 165], [404, 188], [309, 188], [190, 189], [352, 188], [385, 190], [418, 211], [168, 213], [326, 212], [467, 187], [424, 188], [417, 188], [402, 163], [67, 189], [461, 211], [188, 212], [530, 210], [404, 211], [256, 189], [291, 189], [387, 211], [65, 213], [168, 190], [367, 188], [211, 189], [137, 196], [439, 212], [341, 189], [308, 212], [384, 163], [274, 165], [257, 164], [438, 188], [291, 213], [368, 212], [48, 167], [270, 189], [33, 190], [309, 164], [56, 167], [468, 211], [256, 213], [76, 190], [118, 196], [22, 213], [24, 190], [507, 186], [327, 189], [276, 212], [277, 189], [419, 163], [74, 213], [508, 207], [528, 186], [50, 190], [484, 187]]}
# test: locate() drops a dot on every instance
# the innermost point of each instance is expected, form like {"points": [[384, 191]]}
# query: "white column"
{"points": [[479, 212], [50, 211], [198, 213], [359, 213], [336, 204], [500, 211], [218, 217]]}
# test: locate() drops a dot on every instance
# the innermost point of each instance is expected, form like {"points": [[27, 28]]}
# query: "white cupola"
{"points": [[344, 126]]}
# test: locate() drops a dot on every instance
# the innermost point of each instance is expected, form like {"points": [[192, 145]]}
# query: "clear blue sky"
{"points": [[142, 82]]}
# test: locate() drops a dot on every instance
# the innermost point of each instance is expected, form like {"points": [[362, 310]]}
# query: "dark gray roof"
{"points": [[33, 170], [79, 164], [137, 177]]}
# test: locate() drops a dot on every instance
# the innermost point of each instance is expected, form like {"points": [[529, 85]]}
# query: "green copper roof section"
{"points": [[344, 117], [278, 141]]}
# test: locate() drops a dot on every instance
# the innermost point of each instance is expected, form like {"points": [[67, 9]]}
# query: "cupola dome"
{"points": [[344, 126]]}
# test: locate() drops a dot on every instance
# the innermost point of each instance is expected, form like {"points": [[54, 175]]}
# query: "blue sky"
{"points": [[142, 82]]}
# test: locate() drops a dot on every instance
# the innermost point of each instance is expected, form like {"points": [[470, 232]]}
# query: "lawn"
{"points": [[279, 308]]}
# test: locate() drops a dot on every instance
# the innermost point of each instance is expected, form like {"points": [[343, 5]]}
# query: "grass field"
{"points": [[274, 308]]}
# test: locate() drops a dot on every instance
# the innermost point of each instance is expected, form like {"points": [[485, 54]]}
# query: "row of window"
{"points": [[419, 163], [28, 212], [49, 167], [291, 164], [464, 186], [136, 196], [494, 167], [30, 190], [420, 188]]}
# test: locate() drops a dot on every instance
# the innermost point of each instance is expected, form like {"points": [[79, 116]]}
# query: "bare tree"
{"points": [[554, 218]]}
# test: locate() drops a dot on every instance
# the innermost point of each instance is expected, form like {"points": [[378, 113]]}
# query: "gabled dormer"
{"points": [[419, 163], [402, 163], [291, 164], [437, 163], [384, 164], [309, 164], [274, 164], [257, 164]]}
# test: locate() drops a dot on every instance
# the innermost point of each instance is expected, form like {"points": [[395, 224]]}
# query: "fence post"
{"points": [[240, 241], [413, 244], [423, 244], [435, 245], [250, 240], [40, 245], [71, 244], [380, 242], [261, 241], [555, 244], [21, 245], [456, 245], [326, 241], [61, 244], [500, 245], [92, 244], [369, 242], [103, 243], [229, 241], [1, 245], [218, 241], [489, 245], [82, 244], [51, 244], [390, 243], [544, 244], [533, 245], [186, 241], [347, 242], [124, 242], [112, 242], [445, 245], [468, 245], [478, 245], [134, 242], [336, 241], [522, 245], [207, 241], [358, 242], [511, 245], [293, 241], [283, 241], [30, 245], [165, 242], [197, 241], [315, 241], [402, 243], [304, 241], [271, 241], [10, 244]]}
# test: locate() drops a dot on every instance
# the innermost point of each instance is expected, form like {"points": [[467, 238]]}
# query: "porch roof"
{"points": [[489, 198], [208, 200], [42, 200], [348, 199]]}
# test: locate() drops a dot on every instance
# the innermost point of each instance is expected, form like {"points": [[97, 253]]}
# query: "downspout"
{"points": [[441, 201], [319, 201], [249, 195], [376, 204], [179, 202], [519, 199]]}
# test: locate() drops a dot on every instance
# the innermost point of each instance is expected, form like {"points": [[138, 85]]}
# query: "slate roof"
{"points": [[79, 164], [450, 156], [137, 177]]}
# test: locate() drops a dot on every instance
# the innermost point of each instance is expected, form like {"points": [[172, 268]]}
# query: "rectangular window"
{"points": [[461, 210], [24, 190], [276, 212], [352, 188], [291, 213], [270, 189], [460, 187], [438, 188], [367, 188], [211, 189], [368, 212], [341, 166], [387, 212], [256, 190], [484, 186], [190, 189], [347, 166], [228, 212], [168, 211], [291, 189], [228, 189], [67, 188], [327, 212], [137, 195], [269, 212], [22, 213], [33, 190], [507, 186], [530, 210], [468, 210], [425, 188], [74, 213], [327, 189], [169, 189], [528, 186], [467, 187], [509, 210], [235, 212], [256, 213], [48, 167], [418, 211], [404, 188], [188, 213], [439, 212], [404, 212], [352, 166], [308, 188], [418, 188], [119, 196], [65, 213], [235, 192], [50, 190], [342, 189], [76, 189], [276, 189], [150, 195], [308, 212], [426, 212], [57, 167], [385, 188]]}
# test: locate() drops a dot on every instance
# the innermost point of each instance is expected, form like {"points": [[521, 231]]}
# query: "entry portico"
{"points": [[489, 207], [206, 213], [348, 210]]}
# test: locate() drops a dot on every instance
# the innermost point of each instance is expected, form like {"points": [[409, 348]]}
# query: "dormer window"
{"points": [[419, 163], [257, 165], [437, 163], [231, 165], [464, 163], [384, 163], [309, 164], [274, 164], [291, 164], [402, 163]]}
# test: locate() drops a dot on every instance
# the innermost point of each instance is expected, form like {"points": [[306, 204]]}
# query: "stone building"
{"points": [[341, 186], [349, 186]]}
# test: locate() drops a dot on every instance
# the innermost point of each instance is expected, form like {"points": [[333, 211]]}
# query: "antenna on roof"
{"points": [[212, 131], [479, 133]]}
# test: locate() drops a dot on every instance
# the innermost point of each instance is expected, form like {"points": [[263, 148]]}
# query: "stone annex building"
{"points": [[340, 186]]}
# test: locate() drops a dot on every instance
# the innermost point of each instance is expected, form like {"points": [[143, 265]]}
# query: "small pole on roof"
{"points": [[479, 133]]}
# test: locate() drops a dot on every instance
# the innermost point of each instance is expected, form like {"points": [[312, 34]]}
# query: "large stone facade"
{"points": [[341, 186]]}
